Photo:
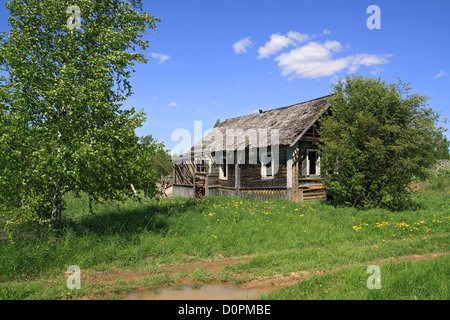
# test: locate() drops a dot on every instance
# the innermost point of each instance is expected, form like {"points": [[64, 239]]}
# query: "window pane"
{"points": [[224, 167], [312, 162]]}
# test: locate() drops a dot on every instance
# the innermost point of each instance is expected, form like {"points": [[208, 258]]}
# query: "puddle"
{"points": [[205, 292]]}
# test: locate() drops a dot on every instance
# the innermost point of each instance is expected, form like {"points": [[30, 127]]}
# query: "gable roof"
{"points": [[290, 122]]}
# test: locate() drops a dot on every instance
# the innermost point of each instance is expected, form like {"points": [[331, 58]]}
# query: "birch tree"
{"points": [[65, 73]]}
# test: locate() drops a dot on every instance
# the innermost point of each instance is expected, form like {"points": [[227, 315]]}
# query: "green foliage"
{"points": [[161, 161], [439, 177], [217, 123], [62, 125], [375, 139], [443, 148]]}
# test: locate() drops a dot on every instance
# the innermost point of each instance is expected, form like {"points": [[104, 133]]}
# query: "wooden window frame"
{"points": [[264, 168], [308, 162], [221, 173], [207, 162]]}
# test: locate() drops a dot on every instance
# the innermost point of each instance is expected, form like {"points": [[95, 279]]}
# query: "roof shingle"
{"points": [[290, 123]]}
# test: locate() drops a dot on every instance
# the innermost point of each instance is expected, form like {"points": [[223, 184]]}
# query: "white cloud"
{"points": [[160, 56], [326, 32], [173, 104], [367, 60], [314, 60], [242, 45], [278, 42], [376, 71], [440, 74], [297, 36]]}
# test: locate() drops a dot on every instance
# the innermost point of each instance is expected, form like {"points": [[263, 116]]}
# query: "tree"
{"points": [[61, 94], [160, 161], [375, 139], [443, 148], [217, 123]]}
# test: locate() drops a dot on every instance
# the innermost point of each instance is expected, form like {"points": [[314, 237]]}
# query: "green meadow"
{"points": [[335, 245]]}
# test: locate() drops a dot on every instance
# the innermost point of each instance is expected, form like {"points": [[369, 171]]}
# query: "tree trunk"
{"points": [[56, 201], [134, 190], [56, 213]]}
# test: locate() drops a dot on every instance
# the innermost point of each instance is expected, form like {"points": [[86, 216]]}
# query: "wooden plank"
{"points": [[289, 165], [314, 188], [305, 194], [183, 185], [237, 177], [295, 158], [314, 199]]}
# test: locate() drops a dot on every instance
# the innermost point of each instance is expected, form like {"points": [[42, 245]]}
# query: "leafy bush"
{"points": [[376, 138]]}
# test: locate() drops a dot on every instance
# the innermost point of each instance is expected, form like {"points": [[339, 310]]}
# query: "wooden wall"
{"points": [[252, 184], [250, 174], [304, 146]]}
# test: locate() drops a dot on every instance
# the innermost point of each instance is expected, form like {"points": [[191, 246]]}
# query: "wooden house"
{"points": [[270, 154]]}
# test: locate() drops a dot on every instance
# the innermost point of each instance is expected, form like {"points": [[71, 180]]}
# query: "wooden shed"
{"points": [[270, 154]]}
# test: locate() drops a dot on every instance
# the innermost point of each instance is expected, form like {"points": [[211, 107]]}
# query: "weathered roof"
{"points": [[289, 123]]}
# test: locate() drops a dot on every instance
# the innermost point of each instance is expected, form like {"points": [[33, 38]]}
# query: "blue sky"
{"points": [[221, 59]]}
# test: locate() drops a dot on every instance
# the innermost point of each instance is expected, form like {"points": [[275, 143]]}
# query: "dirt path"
{"points": [[170, 269], [276, 281]]}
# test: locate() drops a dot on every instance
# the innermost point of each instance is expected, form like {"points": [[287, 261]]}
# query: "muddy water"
{"points": [[205, 292]]}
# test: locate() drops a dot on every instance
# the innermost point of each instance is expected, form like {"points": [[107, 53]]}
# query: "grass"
{"points": [[421, 280], [279, 236]]}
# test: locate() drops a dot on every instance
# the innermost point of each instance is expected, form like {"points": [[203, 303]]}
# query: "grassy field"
{"points": [[410, 280], [268, 240]]}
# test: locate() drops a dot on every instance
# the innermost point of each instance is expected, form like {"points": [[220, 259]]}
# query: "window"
{"points": [[202, 166], [223, 169], [266, 165], [312, 163]]}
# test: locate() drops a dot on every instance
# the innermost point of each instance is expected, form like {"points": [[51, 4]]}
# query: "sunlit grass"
{"points": [[412, 280], [278, 236]]}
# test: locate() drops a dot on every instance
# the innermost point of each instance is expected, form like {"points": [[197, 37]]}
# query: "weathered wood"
{"points": [[221, 187], [295, 167], [313, 193], [315, 188], [314, 198], [183, 173], [183, 185], [309, 125], [237, 177], [264, 194], [264, 188], [200, 185], [163, 166], [289, 166]]}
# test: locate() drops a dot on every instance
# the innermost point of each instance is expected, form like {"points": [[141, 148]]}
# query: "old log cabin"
{"points": [[270, 154]]}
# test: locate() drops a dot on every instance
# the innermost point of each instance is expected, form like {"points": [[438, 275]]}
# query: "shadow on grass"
{"points": [[127, 220]]}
